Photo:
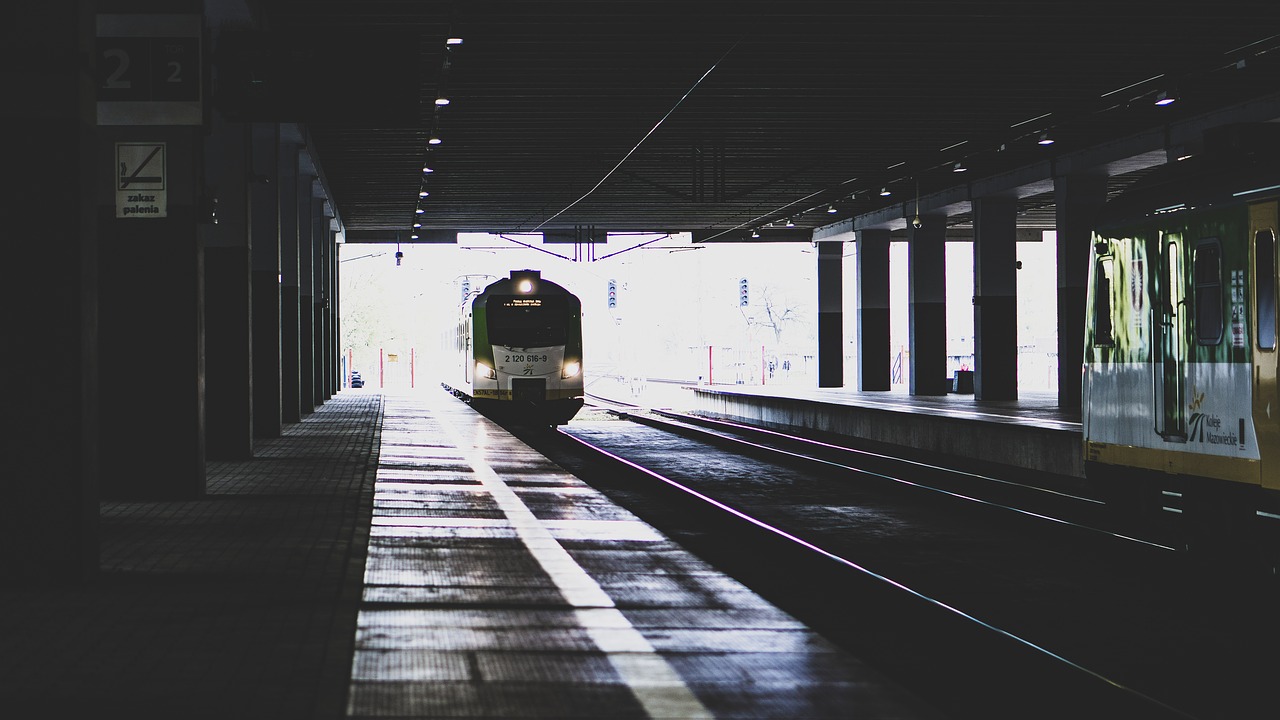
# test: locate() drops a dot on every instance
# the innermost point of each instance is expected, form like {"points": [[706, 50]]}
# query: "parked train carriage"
{"points": [[520, 342], [1180, 409]]}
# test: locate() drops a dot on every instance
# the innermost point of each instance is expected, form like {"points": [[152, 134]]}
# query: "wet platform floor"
{"points": [[498, 585]]}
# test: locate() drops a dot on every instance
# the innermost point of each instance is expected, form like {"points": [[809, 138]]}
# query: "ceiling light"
{"points": [[427, 170], [417, 225], [1166, 98], [419, 211], [1044, 139], [755, 233], [831, 209], [433, 140], [790, 223], [413, 237], [959, 167], [884, 192], [453, 41], [423, 194], [442, 101]]}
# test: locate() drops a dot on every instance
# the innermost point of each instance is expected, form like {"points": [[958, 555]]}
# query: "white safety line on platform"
{"points": [[652, 680]]}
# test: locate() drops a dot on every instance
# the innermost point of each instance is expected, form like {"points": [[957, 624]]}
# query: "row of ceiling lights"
{"points": [[1163, 98], [433, 139], [1045, 138]]}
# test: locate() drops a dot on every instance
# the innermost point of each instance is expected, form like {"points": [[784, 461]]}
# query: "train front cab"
{"points": [[1181, 411], [527, 350]]}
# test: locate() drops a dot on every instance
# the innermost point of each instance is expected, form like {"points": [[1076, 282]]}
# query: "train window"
{"points": [[1265, 272], [1207, 272], [1102, 334], [528, 322]]}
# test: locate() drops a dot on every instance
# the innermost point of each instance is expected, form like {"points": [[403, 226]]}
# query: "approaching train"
{"points": [[1180, 408], [520, 343]]}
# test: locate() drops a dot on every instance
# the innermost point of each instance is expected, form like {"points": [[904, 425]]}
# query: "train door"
{"points": [[1266, 366], [468, 357], [1169, 360]]}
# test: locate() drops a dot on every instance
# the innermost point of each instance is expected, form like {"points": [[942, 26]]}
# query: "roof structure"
{"points": [[718, 117]]}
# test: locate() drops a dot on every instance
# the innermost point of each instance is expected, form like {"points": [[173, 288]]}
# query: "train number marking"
{"points": [[525, 358]]}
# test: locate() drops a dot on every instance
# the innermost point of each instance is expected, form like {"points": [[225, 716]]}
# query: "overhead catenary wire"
{"points": [[652, 130]]}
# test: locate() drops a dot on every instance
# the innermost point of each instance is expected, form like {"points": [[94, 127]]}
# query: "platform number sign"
{"points": [[613, 293], [148, 69], [744, 295]]}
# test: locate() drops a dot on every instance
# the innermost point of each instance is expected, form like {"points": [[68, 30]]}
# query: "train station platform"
{"points": [[1032, 432], [402, 556]]}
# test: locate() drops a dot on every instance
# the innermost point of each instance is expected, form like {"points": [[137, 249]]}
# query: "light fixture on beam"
{"points": [[959, 167], [433, 140], [1045, 139], [755, 233], [442, 101], [423, 193], [790, 223], [426, 169], [884, 191], [831, 209], [453, 41], [1165, 97]]}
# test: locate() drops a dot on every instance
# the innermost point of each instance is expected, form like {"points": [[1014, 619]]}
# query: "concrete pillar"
{"points": [[830, 314], [49, 514], [995, 298], [313, 208], [320, 297], [873, 310], [151, 317], [295, 190], [264, 229], [927, 305], [228, 333], [1078, 198]]}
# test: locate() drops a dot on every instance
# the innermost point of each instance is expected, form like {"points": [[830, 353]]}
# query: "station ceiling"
{"points": [[716, 116]]}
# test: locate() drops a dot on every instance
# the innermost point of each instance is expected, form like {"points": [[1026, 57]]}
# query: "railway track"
{"points": [[980, 592]]}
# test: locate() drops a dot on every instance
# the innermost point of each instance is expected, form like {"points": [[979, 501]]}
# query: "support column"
{"points": [[874, 372], [995, 298], [830, 314], [49, 516], [927, 309], [228, 332], [1079, 199], [151, 325], [264, 229], [320, 297], [295, 194], [306, 297]]}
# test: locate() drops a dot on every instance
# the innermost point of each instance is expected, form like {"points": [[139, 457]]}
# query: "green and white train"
{"points": [[1180, 411], [519, 349]]}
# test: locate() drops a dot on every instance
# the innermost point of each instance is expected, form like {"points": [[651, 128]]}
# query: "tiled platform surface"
{"points": [[498, 585], [241, 604]]}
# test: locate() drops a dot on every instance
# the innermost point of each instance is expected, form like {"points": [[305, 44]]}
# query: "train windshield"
{"points": [[527, 321]]}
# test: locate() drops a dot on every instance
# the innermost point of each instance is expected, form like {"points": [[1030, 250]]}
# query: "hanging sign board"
{"points": [[149, 70], [140, 180]]}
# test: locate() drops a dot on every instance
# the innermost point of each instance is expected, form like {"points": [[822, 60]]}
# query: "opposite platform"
{"points": [[1031, 433]]}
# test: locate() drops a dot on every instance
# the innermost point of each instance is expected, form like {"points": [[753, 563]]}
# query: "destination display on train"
{"points": [[521, 302]]}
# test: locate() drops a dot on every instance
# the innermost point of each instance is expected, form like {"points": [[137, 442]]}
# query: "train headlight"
{"points": [[571, 369], [484, 371]]}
